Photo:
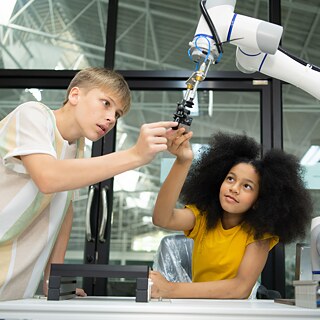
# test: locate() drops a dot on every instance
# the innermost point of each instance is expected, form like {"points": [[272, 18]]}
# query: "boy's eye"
{"points": [[106, 102], [118, 115]]}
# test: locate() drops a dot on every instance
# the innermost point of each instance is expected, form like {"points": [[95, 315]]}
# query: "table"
{"points": [[116, 308]]}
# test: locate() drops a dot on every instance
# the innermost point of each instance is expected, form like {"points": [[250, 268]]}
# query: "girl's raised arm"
{"points": [[165, 213]]}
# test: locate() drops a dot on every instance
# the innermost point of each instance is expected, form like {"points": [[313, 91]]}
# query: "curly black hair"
{"points": [[284, 206]]}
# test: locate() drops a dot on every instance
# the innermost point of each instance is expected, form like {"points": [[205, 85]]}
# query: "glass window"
{"points": [[11, 98], [155, 35], [301, 108], [151, 35], [301, 115], [301, 29], [53, 34]]}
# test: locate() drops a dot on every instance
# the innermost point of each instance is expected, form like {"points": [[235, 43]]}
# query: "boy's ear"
{"points": [[74, 95]]}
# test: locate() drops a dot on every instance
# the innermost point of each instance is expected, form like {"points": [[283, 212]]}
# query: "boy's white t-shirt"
{"points": [[29, 220]]}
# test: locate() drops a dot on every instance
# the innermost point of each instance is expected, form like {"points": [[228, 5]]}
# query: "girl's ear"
{"points": [[74, 95], [255, 205]]}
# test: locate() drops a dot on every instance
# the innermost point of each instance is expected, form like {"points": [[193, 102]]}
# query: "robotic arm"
{"points": [[258, 49]]}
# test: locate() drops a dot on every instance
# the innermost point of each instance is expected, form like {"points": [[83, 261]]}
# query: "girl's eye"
{"points": [[248, 187], [230, 179]]}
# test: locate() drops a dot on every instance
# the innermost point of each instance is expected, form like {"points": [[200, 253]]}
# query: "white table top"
{"points": [[96, 308]]}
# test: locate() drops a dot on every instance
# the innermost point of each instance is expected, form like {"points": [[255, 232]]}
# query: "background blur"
{"points": [[147, 40]]}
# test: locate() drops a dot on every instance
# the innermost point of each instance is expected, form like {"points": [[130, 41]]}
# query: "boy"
{"points": [[40, 153]]}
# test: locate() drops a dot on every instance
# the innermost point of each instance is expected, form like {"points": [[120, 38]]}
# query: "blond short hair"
{"points": [[91, 78]]}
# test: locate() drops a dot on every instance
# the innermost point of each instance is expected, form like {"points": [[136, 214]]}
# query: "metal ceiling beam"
{"points": [[89, 5], [311, 33], [129, 28], [22, 10], [55, 37], [102, 24], [300, 6], [157, 13], [150, 24], [52, 16], [11, 56]]}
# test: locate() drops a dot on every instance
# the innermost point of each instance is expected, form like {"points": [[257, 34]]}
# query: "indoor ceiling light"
{"points": [[35, 92], [312, 156], [126, 181], [6, 11], [147, 241], [210, 103]]}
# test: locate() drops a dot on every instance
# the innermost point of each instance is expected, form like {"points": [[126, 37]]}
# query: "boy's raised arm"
{"points": [[52, 175]]}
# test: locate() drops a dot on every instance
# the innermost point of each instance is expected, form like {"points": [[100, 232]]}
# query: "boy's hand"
{"points": [[179, 145], [152, 139]]}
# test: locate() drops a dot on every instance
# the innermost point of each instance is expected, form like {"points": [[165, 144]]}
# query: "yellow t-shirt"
{"points": [[217, 253]]}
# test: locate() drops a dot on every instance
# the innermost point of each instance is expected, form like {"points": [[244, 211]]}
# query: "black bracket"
{"points": [[62, 280]]}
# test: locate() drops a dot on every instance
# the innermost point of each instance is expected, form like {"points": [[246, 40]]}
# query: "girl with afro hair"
{"points": [[238, 206]]}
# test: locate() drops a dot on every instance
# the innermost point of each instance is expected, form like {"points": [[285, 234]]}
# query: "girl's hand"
{"points": [[161, 288], [80, 292], [179, 145]]}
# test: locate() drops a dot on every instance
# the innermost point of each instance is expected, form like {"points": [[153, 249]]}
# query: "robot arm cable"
{"points": [[196, 46], [301, 61], [211, 25]]}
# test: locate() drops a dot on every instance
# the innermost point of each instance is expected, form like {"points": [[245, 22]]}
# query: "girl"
{"points": [[237, 209]]}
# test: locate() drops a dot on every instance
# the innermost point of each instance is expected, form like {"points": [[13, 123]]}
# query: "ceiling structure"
{"points": [[154, 35]]}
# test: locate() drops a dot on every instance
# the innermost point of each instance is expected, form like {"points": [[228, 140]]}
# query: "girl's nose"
{"points": [[234, 189]]}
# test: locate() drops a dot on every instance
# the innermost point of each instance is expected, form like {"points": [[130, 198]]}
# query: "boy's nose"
{"points": [[111, 117]]}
